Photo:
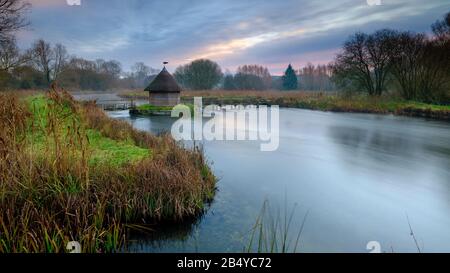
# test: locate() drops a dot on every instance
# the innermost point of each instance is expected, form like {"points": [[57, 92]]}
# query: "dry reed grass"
{"points": [[51, 196]]}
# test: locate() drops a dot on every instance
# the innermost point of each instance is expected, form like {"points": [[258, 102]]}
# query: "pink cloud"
{"points": [[297, 61]]}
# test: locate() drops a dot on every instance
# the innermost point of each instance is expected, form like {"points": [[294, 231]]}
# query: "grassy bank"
{"points": [[151, 110], [315, 101], [70, 173]]}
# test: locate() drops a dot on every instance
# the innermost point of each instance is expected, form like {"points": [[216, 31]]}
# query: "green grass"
{"points": [[149, 107], [421, 105], [108, 151], [103, 150]]}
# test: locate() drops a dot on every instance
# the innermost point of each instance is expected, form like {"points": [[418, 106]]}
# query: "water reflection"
{"points": [[157, 235], [375, 142]]}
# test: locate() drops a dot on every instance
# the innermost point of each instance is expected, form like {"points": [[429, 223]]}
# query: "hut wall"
{"points": [[164, 99]]}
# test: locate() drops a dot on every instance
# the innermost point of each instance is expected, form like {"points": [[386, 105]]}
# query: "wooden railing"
{"points": [[114, 105]]}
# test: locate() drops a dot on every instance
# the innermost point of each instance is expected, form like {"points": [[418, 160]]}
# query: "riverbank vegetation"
{"points": [[151, 110], [323, 101], [70, 173]]}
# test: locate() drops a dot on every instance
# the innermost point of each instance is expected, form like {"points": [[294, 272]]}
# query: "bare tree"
{"points": [[435, 76], [258, 71], [352, 67], [82, 64], [307, 77], [60, 59], [441, 28], [315, 77], [140, 69], [365, 60], [10, 55], [12, 17], [407, 62], [111, 68], [141, 74], [379, 46], [420, 64], [43, 57]]}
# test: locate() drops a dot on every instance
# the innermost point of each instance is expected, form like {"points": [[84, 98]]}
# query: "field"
{"points": [[70, 173]]}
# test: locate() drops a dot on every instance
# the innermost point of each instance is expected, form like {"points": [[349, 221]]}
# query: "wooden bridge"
{"points": [[114, 105]]}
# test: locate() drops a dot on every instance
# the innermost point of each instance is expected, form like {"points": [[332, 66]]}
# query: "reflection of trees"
{"points": [[349, 136], [155, 124], [442, 152], [390, 143], [157, 234], [362, 140]]}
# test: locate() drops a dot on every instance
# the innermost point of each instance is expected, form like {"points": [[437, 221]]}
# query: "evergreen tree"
{"points": [[290, 79]]}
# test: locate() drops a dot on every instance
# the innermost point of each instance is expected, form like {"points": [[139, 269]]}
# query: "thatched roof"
{"points": [[164, 83]]}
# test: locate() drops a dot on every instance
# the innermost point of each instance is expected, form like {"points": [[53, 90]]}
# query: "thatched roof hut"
{"points": [[163, 82], [164, 90]]}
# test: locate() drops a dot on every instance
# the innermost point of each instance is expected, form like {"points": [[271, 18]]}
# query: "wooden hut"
{"points": [[164, 90]]}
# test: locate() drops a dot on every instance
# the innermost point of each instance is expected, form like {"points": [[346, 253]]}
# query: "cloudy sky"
{"points": [[230, 32]]}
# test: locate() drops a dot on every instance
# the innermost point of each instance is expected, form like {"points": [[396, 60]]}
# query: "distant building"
{"points": [[164, 90]]}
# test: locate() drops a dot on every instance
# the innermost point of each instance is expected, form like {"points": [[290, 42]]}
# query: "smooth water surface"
{"points": [[360, 176]]}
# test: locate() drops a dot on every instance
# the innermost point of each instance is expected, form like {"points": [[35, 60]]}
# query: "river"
{"points": [[358, 177]]}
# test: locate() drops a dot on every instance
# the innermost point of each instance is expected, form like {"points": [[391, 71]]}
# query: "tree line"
{"points": [[205, 74], [414, 65], [44, 63]]}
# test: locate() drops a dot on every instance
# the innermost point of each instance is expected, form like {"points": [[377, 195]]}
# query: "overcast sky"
{"points": [[230, 32]]}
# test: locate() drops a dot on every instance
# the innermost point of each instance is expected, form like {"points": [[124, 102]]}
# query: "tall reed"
{"points": [[274, 231]]}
